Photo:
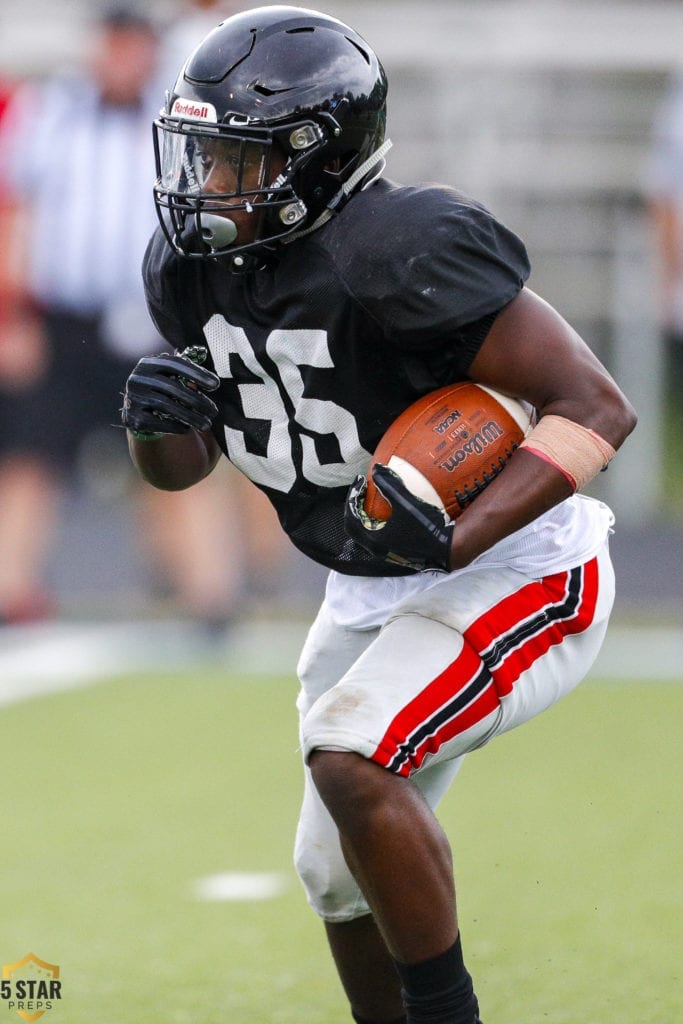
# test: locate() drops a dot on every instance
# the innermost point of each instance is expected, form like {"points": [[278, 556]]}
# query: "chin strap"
{"points": [[346, 190], [360, 172]]}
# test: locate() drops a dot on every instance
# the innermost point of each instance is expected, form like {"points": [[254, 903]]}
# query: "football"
{"points": [[449, 445]]}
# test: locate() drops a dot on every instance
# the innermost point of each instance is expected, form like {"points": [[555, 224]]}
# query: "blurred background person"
{"points": [[78, 165], [26, 496], [665, 192]]}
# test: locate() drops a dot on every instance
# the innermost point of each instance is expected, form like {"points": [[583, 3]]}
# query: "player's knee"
{"points": [[330, 887]]}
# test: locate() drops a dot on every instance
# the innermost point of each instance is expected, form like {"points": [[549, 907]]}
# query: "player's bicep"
{"points": [[531, 352]]}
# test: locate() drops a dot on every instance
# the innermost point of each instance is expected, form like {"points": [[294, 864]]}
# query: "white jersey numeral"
{"points": [[289, 350]]}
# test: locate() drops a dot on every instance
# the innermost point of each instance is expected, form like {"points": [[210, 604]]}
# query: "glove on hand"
{"points": [[165, 394], [416, 534]]}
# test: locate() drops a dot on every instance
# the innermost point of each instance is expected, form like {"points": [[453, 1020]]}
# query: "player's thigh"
{"points": [[553, 673], [416, 688], [328, 653], [483, 651]]}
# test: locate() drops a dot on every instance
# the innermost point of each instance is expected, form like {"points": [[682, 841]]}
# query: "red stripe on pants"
{"points": [[541, 601], [547, 594], [446, 687]]}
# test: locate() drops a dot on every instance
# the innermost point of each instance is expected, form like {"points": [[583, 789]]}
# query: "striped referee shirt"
{"points": [[86, 170]]}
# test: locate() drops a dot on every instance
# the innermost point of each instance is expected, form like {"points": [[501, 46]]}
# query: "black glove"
{"points": [[165, 394], [416, 534]]}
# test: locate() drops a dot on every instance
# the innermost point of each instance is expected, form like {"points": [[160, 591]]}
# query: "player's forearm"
{"points": [[174, 461], [533, 353], [553, 462], [528, 488]]}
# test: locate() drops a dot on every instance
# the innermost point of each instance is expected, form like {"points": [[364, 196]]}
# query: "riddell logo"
{"points": [[196, 111]]}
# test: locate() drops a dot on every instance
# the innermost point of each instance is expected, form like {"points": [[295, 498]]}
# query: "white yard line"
{"points": [[233, 886]]}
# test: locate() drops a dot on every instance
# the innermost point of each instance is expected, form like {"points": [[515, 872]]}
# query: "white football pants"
{"points": [[472, 657]]}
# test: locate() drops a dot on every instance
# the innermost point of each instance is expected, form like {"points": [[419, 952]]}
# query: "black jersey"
{"points": [[320, 351]]}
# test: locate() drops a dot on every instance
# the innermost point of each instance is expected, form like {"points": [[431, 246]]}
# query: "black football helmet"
{"points": [[279, 111]]}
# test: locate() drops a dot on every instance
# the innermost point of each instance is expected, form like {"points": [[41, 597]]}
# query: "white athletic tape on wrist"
{"points": [[576, 451]]}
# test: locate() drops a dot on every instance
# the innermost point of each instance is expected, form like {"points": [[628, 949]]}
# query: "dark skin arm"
{"points": [[531, 352]]}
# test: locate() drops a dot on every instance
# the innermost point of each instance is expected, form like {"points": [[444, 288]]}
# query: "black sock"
{"points": [[439, 991], [362, 1020]]}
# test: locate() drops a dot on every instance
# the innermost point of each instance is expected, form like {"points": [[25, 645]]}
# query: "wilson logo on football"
{"points": [[476, 444], [477, 428]]}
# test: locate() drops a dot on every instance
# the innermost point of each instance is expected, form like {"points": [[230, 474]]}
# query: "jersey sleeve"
{"points": [[163, 280], [440, 264]]}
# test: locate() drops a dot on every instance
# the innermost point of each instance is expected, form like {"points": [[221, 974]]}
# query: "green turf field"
{"points": [[568, 838]]}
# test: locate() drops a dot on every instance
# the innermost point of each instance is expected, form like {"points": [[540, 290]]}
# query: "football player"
{"points": [[309, 300]]}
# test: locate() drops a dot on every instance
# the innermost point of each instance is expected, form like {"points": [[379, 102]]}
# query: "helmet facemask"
{"points": [[206, 174]]}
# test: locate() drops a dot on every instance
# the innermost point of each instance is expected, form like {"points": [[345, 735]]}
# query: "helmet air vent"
{"points": [[360, 49], [263, 90]]}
